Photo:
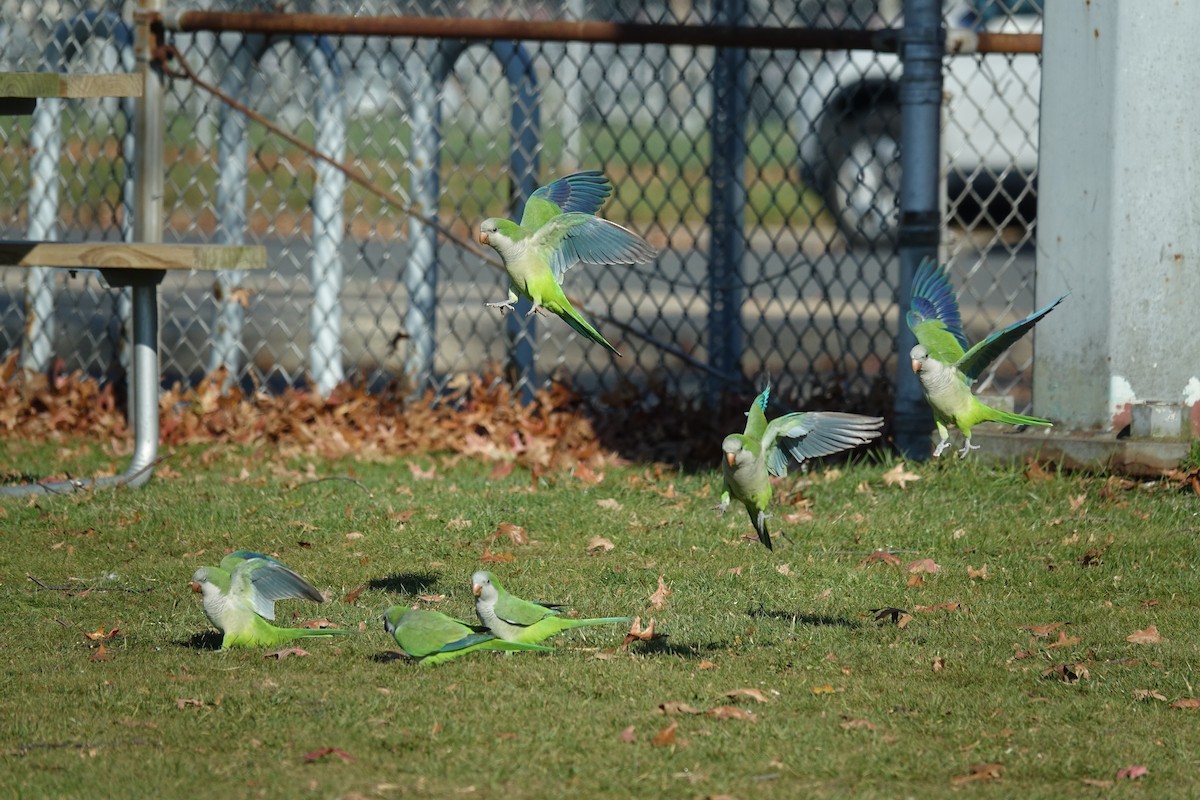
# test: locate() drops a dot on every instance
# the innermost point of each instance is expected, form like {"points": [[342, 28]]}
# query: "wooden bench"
{"points": [[141, 267]]}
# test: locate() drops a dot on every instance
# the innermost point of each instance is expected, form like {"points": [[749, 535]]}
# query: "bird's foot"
{"points": [[941, 448], [722, 507], [535, 309], [967, 448], [506, 305]]}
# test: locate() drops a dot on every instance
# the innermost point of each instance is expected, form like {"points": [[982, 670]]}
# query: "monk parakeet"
{"points": [[239, 597], [558, 230], [517, 620], [764, 448], [944, 365], [431, 637]]}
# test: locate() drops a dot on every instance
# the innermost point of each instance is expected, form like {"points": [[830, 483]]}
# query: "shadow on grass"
{"points": [[209, 640], [666, 646], [389, 657], [811, 620], [405, 582]]}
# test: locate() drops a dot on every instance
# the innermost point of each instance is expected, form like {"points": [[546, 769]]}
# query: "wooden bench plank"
{"points": [[131, 255], [51, 84]]}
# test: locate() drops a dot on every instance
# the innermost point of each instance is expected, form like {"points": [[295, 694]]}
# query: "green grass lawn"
{"points": [[854, 707]]}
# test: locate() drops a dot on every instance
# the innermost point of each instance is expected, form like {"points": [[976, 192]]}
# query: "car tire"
{"points": [[862, 181]]}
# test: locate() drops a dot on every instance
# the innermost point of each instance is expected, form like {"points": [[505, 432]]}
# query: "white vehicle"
{"points": [[850, 151]]}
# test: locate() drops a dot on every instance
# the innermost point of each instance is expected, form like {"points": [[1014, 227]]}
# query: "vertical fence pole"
{"points": [[147, 227], [425, 68], [922, 44], [325, 322], [45, 140], [525, 130], [725, 219], [233, 148]]}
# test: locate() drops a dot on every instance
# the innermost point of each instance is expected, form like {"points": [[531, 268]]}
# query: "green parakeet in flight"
{"points": [[517, 620], [431, 637], [766, 448], [239, 597], [944, 365], [559, 228]]}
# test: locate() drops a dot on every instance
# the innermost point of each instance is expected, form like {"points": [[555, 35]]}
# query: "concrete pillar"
{"points": [[1119, 218]]}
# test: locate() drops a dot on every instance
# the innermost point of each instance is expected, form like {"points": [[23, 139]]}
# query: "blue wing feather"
{"points": [[933, 298], [977, 359]]}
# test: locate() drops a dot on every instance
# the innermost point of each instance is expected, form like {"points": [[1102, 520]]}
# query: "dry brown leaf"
{"points": [[938, 607], [317, 755], [730, 712], [1035, 472], [639, 634], [981, 573], [1097, 782], [610, 504], [803, 515], [914, 581], [1132, 772], [899, 476], [459, 523], [1043, 630], [729, 571], [515, 534], [980, 772], [857, 724], [99, 654], [188, 702], [706, 664], [754, 694], [422, 474], [923, 565], [665, 737], [673, 707], [100, 634], [1190, 703], [489, 557], [1149, 635], [598, 544], [1070, 673], [880, 557], [317, 623], [658, 599], [353, 595], [629, 734], [431, 598], [938, 664], [783, 569], [1148, 694], [1077, 502], [280, 655], [1064, 641]]}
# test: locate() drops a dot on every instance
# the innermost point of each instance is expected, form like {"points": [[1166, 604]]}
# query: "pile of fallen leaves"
{"points": [[480, 417]]}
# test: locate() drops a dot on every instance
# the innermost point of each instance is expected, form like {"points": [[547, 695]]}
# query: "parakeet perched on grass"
{"points": [[766, 448], [239, 597], [559, 228], [431, 637], [944, 365], [517, 620]]}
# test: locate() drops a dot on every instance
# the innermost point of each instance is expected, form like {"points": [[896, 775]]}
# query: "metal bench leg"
{"points": [[143, 397]]}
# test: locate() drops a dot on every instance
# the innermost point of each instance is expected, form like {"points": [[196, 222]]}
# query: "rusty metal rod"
{"points": [[764, 38]]}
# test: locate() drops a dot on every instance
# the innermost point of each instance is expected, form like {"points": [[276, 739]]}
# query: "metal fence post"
{"points": [[725, 219], [325, 318], [922, 44], [233, 147]]}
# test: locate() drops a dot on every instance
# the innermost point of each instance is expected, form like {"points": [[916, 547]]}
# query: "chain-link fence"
{"points": [[788, 269]]}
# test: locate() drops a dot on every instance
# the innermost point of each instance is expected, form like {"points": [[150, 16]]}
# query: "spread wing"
{"points": [[933, 314], [574, 237], [262, 581], [811, 434], [582, 192]]}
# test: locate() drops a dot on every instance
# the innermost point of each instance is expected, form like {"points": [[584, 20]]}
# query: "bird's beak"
{"points": [[476, 589], [730, 458], [195, 586], [483, 238], [916, 365]]}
